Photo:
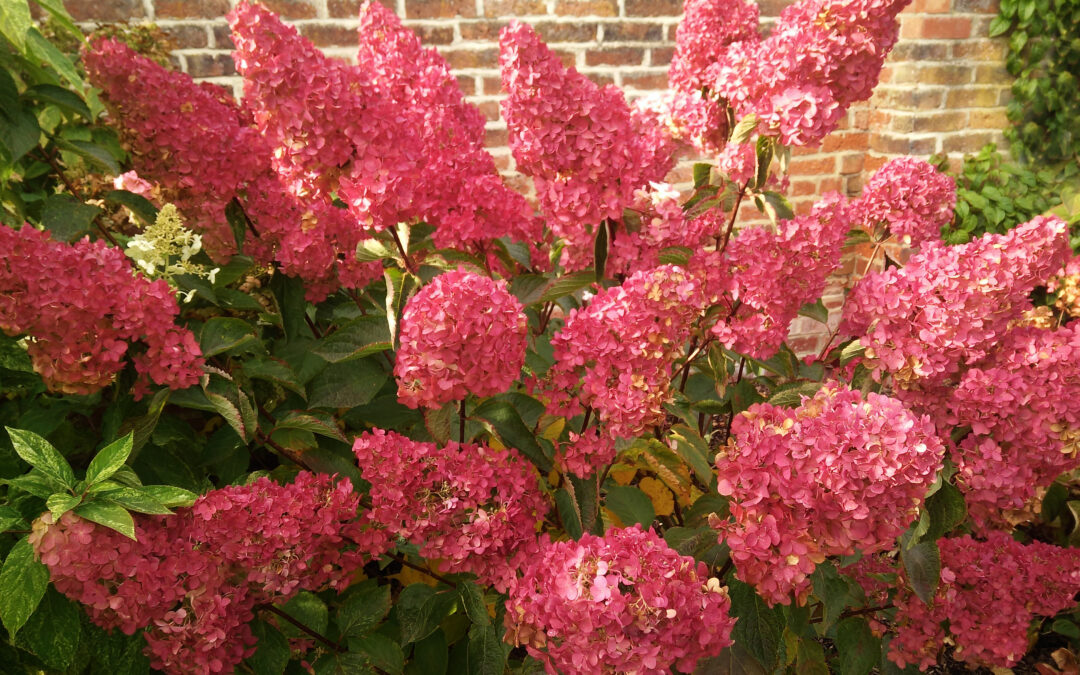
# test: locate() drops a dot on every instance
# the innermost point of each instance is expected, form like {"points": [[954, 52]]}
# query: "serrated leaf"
{"points": [[109, 459], [835, 592], [380, 651], [66, 217], [35, 483], [859, 649], [112, 516], [23, 581], [19, 130], [528, 288], [567, 285], [430, 656], [315, 425], [309, 610], [791, 395], [52, 631], [359, 338], [569, 513], [512, 431], [922, 562], [272, 651], [757, 628], [38, 46], [347, 384], [851, 351], [91, 151], [947, 510], [373, 250], [472, 600], [238, 222], [420, 610], [40, 454], [363, 611], [225, 334], [776, 206], [485, 651], [630, 504]]}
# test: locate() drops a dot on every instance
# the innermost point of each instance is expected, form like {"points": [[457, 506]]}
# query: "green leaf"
{"points": [[15, 21], [851, 351], [37, 45], [93, 152], [776, 206], [143, 426], [836, 593], [238, 222], [169, 496], [380, 651], [859, 649], [922, 562], [40, 454], [528, 288], [52, 631], [742, 131], [430, 656], [142, 207], [757, 628], [347, 384], [420, 610], [109, 459], [791, 395], [692, 448], [359, 338], [10, 518], [309, 610], [372, 250], [60, 97], [19, 130], [225, 334], [36, 483], [600, 248], [630, 504], [316, 425], [947, 510], [567, 284], [112, 516], [743, 395], [702, 172], [272, 651], [569, 513], [485, 652], [815, 311], [66, 217], [732, 661], [512, 431], [61, 17], [60, 503], [23, 581], [363, 610], [136, 499], [1066, 628], [472, 599]]}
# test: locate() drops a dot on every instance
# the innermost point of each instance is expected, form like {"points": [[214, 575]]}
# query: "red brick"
{"points": [[852, 163], [653, 7], [645, 81], [291, 9], [350, 9], [495, 138], [908, 98], [467, 84], [980, 50], [503, 161], [490, 110], [222, 36], [438, 9], [96, 10], [602, 78], [492, 85], [633, 32], [210, 65], [813, 167], [845, 141], [472, 58], [514, 7], [929, 7], [910, 26], [480, 30], [434, 35], [587, 8], [620, 56], [190, 9], [946, 27], [661, 56], [577, 31], [329, 34], [919, 51], [801, 188], [188, 37], [772, 7]]}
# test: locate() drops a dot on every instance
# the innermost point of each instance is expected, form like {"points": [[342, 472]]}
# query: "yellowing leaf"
{"points": [[623, 474], [553, 430], [662, 500]]}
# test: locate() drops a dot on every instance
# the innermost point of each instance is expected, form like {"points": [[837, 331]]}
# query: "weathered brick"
{"points": [[945, 120], [953, 73], [291, 9], [222, 36], [977, 6], [577, 31], [480, 30], [110, 10], [329, 34], [835, 142], [433, 35], [929, 7], [908, 98], [495, 138], [653, 7], [439, 9], [801, 188], [633, 32], [661, 56], [619, 56], [989, 119], [210, 65], [471, 58], [490, 110], [980, 50], [966, 142], [645, 81], [772, 7], [350, 9], [946, 27], [190, 9], [996, 74], [188, 37], [919, 51], [514, 7], [974, 97], [586, 8]]}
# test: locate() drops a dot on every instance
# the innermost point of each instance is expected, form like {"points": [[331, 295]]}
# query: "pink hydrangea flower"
{"points": [[703, 35], [621, 603], [911, 197], [461, 334], [839, 474], [473, 507], [84, 309], [193, 579]]}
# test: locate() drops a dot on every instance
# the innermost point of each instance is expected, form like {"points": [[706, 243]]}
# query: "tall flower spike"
{"points": [[838, 474], [461, 334], [84, 308], [578, 141], [475, 508], [621, 603]]}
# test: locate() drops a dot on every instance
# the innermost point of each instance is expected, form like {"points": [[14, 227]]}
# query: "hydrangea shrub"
{"points": [[335, 398]]}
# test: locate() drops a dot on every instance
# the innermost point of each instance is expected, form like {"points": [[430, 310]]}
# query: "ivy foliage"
{"points": [[1044, 57]]}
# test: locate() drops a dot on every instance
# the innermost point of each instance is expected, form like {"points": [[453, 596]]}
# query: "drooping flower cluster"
{"points": [[461, 334], [951, 304], [822, 56], [201, 149], [839, 473], [584, 149], [990, 591], [463, 195], [615, 355], [763, 277], [910, 197], [86, 312], [193, 579], [473, 507], [621, 603]]}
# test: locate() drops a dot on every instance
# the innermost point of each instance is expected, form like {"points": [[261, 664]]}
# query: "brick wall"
{"points": [[943, 89]]}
